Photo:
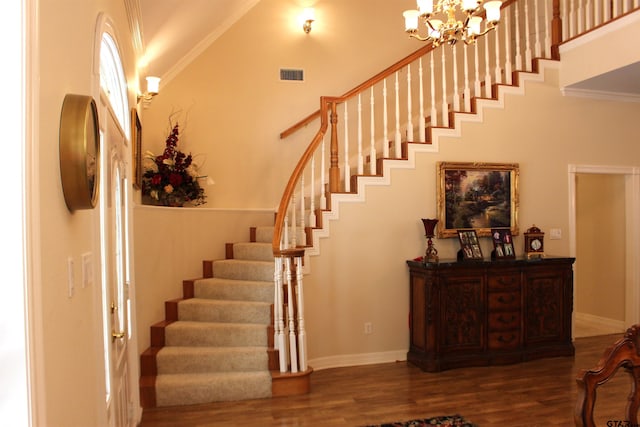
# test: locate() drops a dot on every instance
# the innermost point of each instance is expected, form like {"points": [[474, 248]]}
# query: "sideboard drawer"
{"points": [[504, 340], [504, 282], [504, 321], [504, 301]]}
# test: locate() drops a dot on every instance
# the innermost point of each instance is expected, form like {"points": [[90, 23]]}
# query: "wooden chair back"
{"points": [[623, 353]]}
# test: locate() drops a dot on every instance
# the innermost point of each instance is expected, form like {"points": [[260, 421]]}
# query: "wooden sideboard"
{"points": [[477, 313]]}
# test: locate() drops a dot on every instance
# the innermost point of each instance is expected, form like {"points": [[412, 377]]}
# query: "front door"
{"points": [[115, 269]]}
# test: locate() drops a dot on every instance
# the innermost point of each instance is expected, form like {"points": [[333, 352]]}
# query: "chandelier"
{"points": [[450, 21]]}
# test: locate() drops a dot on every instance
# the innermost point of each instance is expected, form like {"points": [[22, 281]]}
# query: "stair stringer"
{"points": [[454, 130]]}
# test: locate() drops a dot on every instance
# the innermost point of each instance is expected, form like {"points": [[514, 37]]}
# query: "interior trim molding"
{"points": [[632, 214]]}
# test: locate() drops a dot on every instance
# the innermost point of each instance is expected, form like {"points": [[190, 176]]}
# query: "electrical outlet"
{"points": [[368, 328]]}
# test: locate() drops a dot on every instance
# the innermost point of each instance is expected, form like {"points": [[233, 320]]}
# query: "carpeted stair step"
{"points": [[207, 310], [264, 234], [230, 289], [243, 269], [202, 334], [190, 389], [253, 251], [192, 360]]}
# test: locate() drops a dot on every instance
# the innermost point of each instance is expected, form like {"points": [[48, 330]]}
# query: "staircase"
{"points": [[215, 342]]}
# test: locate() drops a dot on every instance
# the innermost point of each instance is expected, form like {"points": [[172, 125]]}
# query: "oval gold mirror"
{"points": [[79, 151]]}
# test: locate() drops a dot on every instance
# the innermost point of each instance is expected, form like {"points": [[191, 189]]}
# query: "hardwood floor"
{"points": [[536, 393]]}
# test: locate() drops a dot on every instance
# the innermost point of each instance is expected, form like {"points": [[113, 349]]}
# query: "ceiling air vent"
{"points": [[290, 74]]}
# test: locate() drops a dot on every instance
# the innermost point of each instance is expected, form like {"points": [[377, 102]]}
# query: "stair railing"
{"points": [[404, 104]]}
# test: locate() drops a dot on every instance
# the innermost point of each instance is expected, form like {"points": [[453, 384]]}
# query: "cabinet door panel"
{"points": [[543, 307], [463, 312]]}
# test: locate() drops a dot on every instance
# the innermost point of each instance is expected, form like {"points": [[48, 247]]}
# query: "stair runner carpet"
{"points": [[217, 350]]}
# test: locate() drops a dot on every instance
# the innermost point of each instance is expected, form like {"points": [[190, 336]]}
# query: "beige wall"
{"points": [[68, 344], [600, 249], [361, 274], [235, 108]]}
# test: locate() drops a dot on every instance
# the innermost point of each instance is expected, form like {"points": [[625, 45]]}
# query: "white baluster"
{"points": [[547, 30], [487, 76], [279, 315], [597, 14], [397, 144], [421, 120], [564, 9], [372, 141], [434, 110], [477, 85], [360, 156], [588, 15], [312, 206], [385, 121], [579, 18], [527, 36], [445, 105], [466, 94], [498, 70], [572, 19], [456, 95], [409, 102], [286, 233], [537, 46], [302, 333], [616, 9], [293, 352], [518, 60], [347, 168], [302, 209], [294, 221], [607, 12], [323, 182], [508, 71]]}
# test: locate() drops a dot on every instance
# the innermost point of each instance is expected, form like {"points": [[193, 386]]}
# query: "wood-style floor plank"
{"points": [[536, 393]]}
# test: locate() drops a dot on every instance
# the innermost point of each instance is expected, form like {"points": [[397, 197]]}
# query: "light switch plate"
{"points": [[87, 269], [555, 234]]}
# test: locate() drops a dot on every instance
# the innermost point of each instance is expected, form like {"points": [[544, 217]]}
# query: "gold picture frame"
{"points": [[478, 196], [136, 146]]}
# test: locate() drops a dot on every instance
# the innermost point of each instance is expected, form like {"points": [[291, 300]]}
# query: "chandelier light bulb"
{"points": [[410, 20], [443, 24], [425, 7], [493, 11]]}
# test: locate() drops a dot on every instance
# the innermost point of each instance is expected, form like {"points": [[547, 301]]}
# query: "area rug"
{"points": [[445, 421]]}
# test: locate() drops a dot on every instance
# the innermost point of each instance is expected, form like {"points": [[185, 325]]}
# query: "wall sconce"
{"points": [[308, 16], [153, 85]]}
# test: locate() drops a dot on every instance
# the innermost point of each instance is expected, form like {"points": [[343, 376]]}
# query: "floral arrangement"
{"points": [[171, 179]]}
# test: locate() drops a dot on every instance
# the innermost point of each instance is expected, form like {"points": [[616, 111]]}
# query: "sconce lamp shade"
{"points": [[153, 84], [308, 16]]}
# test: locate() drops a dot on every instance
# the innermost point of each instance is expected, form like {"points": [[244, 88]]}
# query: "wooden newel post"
{"points": [[334, 169], [556, 31]]}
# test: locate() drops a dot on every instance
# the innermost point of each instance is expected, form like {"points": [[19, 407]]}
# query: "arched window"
{"points": [[113, 82]]}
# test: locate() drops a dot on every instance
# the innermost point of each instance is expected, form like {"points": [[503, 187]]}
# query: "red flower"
{"points": [[156, 179], [175, 179]]}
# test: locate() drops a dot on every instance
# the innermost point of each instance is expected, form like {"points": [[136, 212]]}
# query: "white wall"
{"points": [[67, 331]]}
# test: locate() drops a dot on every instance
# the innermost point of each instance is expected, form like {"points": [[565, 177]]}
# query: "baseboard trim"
{"points": [[347, 360], [598, 325]]}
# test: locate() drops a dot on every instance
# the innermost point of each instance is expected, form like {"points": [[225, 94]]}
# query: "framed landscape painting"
{"points": [[478, 196]]}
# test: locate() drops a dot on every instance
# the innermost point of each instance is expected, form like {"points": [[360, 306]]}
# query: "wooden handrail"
{"points": [[295, 176], [367, 84], [376, 79]]}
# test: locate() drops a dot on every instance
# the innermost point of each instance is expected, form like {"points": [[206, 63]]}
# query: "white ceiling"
{"points": [[174, 32]]}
